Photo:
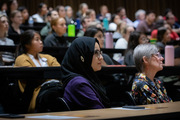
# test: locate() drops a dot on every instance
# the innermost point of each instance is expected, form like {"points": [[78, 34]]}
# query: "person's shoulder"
{"points": [[21, 58], [79, 80], [10, 41]]}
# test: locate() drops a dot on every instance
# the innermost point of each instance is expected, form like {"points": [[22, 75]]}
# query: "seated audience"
{"points": [[7, 57], [140, 16], [135, 39], [92, 15], [56, 39], [25, 15], [98, 34], [16, 21], [3, 7], [104, 13], [170, 19], [61, 11], [163, 38], [47, 29], [82, 88], [31, 46], [69, 15], [11, 6], [147, 25], [85, 23], [83, 8], [147, 89], [118, 33], [115, 20], [122, 43], [121, 11], [40, 16]]}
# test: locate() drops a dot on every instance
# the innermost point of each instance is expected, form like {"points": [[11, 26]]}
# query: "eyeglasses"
{"points": [[145, 39], [98, 53], [158, 55]]}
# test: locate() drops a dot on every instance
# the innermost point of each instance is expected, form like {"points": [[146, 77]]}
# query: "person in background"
{"points": [[104, 13], [135, 39], [122, 43], [7, 57], [147, 25], [47, 29], [115, 20], [82, 88], [163, 37], [118, 33], [140, 16], [121, 11], [40, 16], [170, 19], [56, 39], [92, 15], [25, 15], [85, 23], [16, 21], [61, 11], [98, 34], [147, 89], [3, 7], [31, 46], [12, 5], [69, 15], [83, 8]]}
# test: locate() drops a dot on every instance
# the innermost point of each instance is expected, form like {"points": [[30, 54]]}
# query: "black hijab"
{"points": [[77, 62]]}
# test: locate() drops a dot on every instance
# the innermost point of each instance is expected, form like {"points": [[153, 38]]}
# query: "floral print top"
{"points": [[145, 91]]}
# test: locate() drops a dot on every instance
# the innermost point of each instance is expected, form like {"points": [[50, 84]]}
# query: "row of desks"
{"points": [[163, 111], [55, 72]]}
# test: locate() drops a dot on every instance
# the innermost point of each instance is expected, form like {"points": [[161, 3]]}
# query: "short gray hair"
{"points": [[139, 12], [143, 50]]}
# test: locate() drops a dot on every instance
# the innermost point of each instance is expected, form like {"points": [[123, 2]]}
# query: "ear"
{"points": [[54, 28], [145, 59]]}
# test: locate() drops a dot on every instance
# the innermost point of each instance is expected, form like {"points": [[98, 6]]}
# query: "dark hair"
{"points": [[2, 2], [166, 11], [119, 9], [21, 8], [113, 17], [40, 6], [83, 19], [149, 12], [134, 39], [159, 23], [92, 31], [161, 32], [26, 39]]}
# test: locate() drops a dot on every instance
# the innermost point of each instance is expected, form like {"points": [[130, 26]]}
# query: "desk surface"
{"points": [[154, 112], [55, 72]]}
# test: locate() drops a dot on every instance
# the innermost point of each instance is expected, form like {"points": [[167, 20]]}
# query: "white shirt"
{"points": [[6, 41], [42, 61], [37, 18], [120, 44]]}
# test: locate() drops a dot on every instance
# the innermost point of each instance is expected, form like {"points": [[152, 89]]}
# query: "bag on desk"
{"points": [[47, 99]]}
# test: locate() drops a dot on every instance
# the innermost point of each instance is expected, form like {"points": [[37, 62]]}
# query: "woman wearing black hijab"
{"points": [[82, 89]]}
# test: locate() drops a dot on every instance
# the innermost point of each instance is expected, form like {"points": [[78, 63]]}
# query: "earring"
{"points": [[82, 59]]}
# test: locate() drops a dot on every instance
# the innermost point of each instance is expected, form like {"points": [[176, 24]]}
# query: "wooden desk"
{"points": [[163, 111]]}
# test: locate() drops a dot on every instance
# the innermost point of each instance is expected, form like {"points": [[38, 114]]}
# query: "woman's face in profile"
{"points": [[97, 58], [36, 45]]}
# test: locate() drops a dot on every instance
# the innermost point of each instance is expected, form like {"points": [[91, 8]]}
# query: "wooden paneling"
{"points": [[131, 5]]}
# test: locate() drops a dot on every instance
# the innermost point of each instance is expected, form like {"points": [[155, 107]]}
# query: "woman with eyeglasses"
{"points": [[147, 89], [135, 39], [82, 88], [98, 33]]}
